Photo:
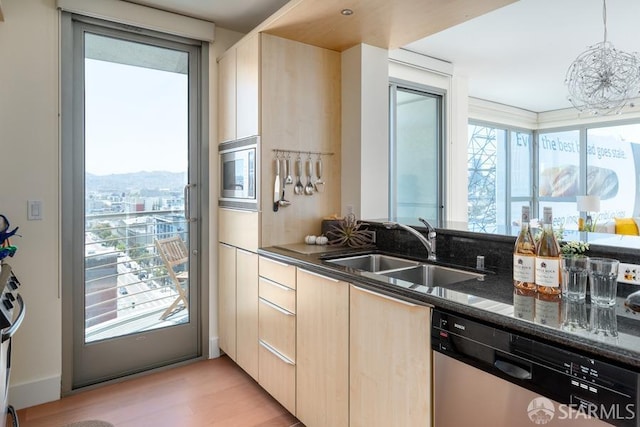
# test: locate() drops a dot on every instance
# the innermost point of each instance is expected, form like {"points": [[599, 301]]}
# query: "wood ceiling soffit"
{"points": [[382, 23]]}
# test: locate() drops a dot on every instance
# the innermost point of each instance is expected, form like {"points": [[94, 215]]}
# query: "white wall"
{"points": [[365, 131], [29, 139], [30, 170]]}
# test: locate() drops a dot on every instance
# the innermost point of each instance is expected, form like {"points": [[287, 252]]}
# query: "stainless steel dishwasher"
{"points": [[486, 376]]}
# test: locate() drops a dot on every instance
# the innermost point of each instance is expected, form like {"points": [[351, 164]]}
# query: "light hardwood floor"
{"points": [[206, 393]]}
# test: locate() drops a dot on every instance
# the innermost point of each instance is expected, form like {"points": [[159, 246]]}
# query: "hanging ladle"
{"points": [[309, 189]]}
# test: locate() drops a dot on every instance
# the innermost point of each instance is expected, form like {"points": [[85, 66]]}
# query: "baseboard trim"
{"points": [[34, 393], [214, 348]]}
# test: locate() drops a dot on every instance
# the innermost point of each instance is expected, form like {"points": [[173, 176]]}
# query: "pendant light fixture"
{"points": [[603, 79]]}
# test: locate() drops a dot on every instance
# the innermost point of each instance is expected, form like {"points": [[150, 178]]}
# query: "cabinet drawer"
{"points": [[278, 272], [278, 294], [277, 327], [277, 375]]}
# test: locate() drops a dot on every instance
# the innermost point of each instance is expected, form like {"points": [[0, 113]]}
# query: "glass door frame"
{"points": [[439, 95], [72, 181]]}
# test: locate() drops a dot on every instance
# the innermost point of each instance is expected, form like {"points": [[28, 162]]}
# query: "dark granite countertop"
{"points": [[489, 301]]}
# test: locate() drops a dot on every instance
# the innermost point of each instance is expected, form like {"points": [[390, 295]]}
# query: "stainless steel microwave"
{"points": [[239, 173]]}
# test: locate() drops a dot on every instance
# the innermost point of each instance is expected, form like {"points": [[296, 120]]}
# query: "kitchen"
{"points": [[41, 182]]}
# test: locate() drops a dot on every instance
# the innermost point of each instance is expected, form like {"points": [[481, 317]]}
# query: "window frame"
{"points": [[508, 199], [441, 97]]}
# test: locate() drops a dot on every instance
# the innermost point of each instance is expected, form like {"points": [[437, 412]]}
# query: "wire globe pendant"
{"points": [[603, 79]]}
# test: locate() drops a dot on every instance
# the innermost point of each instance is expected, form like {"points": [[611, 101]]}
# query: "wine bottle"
{"points": [[524, 256], [547, 276]]}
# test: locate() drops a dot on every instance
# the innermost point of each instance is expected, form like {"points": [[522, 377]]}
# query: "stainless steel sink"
{"points": [[404, 272], [374, 262], [432, 275]]}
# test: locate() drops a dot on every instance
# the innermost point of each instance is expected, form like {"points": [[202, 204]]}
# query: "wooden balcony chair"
{"points": [[174, 253]]}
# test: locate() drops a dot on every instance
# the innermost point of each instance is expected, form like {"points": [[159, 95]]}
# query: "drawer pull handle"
{"points": [[320, 276], [276, 284], [386, 297], [244, 251], [275, 307], [276, 262], [276, 353]]}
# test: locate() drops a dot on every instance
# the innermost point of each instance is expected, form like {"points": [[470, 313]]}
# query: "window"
{"points": [[415, 153], [604, 165], [499, 176], [597, 160]]}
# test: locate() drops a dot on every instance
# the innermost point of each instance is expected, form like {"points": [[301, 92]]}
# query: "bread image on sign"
{"points": [[563, 181]]}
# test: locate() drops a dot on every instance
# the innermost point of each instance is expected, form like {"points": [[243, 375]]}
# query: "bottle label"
{"points": [[547, 313], [523, 306], [548, 272], [524, 267]]}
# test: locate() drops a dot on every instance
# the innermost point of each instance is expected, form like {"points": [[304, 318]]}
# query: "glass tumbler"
{"points": [[573, 273], [603, 279]]}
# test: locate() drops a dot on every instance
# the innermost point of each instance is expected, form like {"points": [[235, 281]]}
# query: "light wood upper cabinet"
{"points": [[390, 361], [248, 87], [239, 91], [322, 356], [247, 311], [239, 228], [227, 96], [227, 299]]}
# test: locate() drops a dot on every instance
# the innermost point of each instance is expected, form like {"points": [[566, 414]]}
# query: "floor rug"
{"points": [[90, 423]]}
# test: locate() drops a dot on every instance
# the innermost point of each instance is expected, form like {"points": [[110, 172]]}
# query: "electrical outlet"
{"points": [[629, 273]]}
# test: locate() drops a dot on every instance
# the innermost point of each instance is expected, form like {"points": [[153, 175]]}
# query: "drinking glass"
{"points": [[603, 279], [573, 272]]}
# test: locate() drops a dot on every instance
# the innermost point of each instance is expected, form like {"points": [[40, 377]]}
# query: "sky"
{"points": [[136, 119]]}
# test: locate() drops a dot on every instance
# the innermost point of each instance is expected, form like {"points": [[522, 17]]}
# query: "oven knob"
{"points": [[7, 304], [14, 284], [9, 296]]}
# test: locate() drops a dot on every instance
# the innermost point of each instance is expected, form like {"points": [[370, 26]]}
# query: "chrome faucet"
{"points": [[428, 242]]}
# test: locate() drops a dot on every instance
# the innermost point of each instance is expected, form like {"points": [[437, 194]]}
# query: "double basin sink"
{"points": [[416, 273]]}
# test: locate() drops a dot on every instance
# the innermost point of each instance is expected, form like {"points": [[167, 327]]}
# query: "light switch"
{"points": [[34, 210]]}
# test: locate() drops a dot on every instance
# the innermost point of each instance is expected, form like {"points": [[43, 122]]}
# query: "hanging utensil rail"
{"points": [[300, 152]]}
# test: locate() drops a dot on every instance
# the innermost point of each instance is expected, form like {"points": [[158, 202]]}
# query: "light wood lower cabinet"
{"points": [[278, 376], [227, 299], [390, 361], [322, 355], [247, 311], [277, 331], [238, 306]]}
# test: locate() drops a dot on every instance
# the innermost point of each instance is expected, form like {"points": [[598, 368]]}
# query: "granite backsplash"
{"points": [[463, 247]]}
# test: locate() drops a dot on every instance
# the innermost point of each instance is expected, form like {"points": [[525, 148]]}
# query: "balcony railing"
{"points": [[127, 288]]}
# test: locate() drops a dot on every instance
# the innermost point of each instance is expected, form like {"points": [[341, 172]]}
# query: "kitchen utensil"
{"points": [[319, 182], [308, 189], [276, 187], [289, 178], [299, 188], [283, 202]]}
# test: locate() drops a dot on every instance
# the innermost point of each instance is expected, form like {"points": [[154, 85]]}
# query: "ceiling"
{"points": [[516, 55]]}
